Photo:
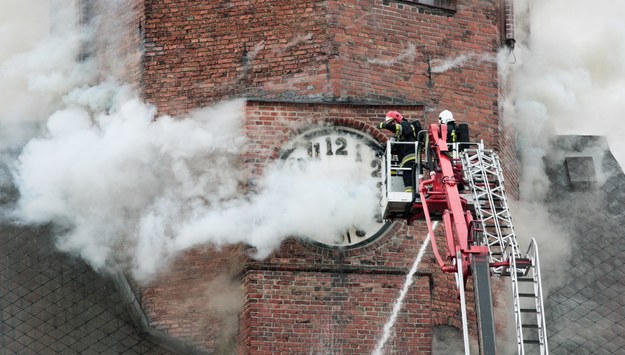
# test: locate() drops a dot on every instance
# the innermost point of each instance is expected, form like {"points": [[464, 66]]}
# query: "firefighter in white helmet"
{"points": [[447, 118]]}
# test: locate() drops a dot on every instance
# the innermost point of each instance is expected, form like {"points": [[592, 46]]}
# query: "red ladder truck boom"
{"points": [[462, 185]]}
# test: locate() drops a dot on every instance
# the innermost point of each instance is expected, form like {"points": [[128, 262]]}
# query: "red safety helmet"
{"points": [[394, 115]]}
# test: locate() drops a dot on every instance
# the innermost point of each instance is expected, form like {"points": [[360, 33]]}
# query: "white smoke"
{"points": [[407, 54], [568, 77], [440, 65], [565, 76], [34, 74], [314, 198], [294, 42], [130, 186], [101, 172], [129, 189]]}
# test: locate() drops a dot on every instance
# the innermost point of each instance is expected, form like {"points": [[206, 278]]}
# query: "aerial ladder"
{"points": [[462, 185]]}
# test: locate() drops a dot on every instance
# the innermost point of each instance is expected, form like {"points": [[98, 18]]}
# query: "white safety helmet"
{"points": [[445, 117]]}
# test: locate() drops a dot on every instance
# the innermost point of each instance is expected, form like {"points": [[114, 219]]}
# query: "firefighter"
{"points": [[447, 118], [404, 132], [455, 133]]}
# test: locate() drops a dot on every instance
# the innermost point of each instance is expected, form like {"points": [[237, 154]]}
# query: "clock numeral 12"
{"points": [[314, 151], [341, 142], [314, 148]]}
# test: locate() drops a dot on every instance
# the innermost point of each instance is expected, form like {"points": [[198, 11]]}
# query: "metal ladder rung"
{"points": [[519, 272], [523, 294], [529, 310], [532, 326], [482, 183], [494, 226], [493, 208], [495, 198], [495, 211], [523, 262]]}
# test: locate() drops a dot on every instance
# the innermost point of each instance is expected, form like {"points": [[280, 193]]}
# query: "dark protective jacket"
{"points": [[458, 134], [452, 134], [404, 132]]}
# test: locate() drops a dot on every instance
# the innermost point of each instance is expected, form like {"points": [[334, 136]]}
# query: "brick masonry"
{"points": [[199, 299], [270, 124], [302, 64], [297, 312], [353, 51], [119, 50]]}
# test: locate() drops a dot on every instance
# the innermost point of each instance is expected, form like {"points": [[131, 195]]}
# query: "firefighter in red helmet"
{"points": [[404, 132]]}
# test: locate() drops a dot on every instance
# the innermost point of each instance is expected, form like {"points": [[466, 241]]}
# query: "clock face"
{"points": [[342, 145]]}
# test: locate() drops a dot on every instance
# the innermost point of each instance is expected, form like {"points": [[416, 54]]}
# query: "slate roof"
{"points": [[585, 314], [52, 303]]}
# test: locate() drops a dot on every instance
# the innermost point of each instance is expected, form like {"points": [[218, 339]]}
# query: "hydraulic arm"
{"points": [[464, 189]]}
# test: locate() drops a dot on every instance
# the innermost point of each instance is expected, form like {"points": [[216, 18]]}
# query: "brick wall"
{"points": [[119, 40], [196, 53], [270, 123], [199, 299], [302, 64], [389, 49], [307, 312], [377, 52], [347, 51]]}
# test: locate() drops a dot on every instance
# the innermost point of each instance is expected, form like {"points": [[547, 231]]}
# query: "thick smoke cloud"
{"points": [[120, 182], [126, 188], [567, 78], [34, 73]]}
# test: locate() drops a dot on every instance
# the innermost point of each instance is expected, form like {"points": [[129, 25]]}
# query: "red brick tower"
{"points": [[341, 63]]}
